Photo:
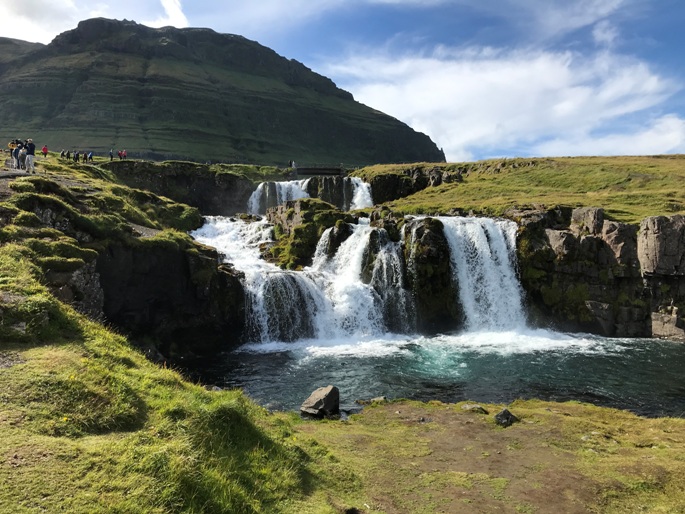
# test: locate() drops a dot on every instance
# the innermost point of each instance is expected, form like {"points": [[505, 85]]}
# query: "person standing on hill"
{"points": [[15, 156], [22, 158], [45, 151], [30, 156]]}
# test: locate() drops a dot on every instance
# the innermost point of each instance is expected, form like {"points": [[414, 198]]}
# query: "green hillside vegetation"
{"points": [[87, 424], [189, 94], [628, 188]]}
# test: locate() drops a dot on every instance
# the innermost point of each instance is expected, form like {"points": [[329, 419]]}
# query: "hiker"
{"points": [[123, 153], [15, 156], [45, 151], [111, 155], [30, 156], [61, 154], [22, 158], [90, 156], [119, 154], [76, 156], [68, 155]]}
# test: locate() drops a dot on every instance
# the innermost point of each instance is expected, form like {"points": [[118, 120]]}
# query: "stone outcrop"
{"points": [[299, 224], [215, 194], [429, 277], [661, 245], [337, 191], [178, 295], [386, 187], [582, 272]]}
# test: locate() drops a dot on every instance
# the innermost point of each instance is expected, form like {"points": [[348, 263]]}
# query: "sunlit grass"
{"points": [[628, 188]]}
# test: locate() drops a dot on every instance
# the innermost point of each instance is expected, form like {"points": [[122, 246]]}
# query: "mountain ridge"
{"points": [[190, 94]]}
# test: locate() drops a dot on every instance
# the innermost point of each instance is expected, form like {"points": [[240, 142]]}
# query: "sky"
{"points": [[482, 78]]}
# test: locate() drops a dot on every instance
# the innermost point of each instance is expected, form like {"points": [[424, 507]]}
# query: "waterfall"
{"points": [[270, 194], [361, 197], [388, 278], [359, 290], [482, 255], [346, 193]]}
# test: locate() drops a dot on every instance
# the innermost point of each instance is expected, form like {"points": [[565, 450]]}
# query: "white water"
{"points": [[325, 325], [482, 256], [361, 198], [332, 301], [270, 194]]}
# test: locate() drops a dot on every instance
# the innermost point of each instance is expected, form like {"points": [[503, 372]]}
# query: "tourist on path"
{"points": [[45, 151], [30, 156]]}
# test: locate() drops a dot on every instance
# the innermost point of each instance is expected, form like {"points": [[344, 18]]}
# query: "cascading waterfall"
{"points": [[270, 194], [388, 279], [355, 193], [482, 253], [361, 289], [361, 198]]}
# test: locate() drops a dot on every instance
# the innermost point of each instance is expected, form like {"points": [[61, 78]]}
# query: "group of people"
{"points": [[76, 155], [23, 154], [120, 153]]}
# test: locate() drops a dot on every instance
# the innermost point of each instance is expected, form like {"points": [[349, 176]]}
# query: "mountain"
{"points": [[189, 94]]}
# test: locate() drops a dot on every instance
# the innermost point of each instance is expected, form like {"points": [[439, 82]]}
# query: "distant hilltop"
{"points": [[189, 94]]}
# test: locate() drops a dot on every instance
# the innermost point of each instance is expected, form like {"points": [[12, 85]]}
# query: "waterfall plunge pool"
{"points": [[350, 347], [641, 375]]}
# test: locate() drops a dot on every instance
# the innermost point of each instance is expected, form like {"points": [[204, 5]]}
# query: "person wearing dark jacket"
{"points": [[30, 156]]}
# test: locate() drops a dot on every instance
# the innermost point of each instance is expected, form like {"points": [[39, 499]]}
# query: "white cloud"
{"points": [[556, 17], [477, 103], [605, 33], [662, 135], [41, 20], [173, 15]]}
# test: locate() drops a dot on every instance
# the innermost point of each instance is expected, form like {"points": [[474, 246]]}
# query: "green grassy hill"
{"points": [[628, 188], [191, 94]]}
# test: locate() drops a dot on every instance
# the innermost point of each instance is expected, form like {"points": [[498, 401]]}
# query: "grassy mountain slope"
{"points": [[193, 94]]}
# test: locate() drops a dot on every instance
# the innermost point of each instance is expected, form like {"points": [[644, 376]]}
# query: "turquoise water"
{"points": [[641, 375]]}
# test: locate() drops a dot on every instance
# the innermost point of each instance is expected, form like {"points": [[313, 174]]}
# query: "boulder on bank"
{"points": [[323, 402], [505, 418]]}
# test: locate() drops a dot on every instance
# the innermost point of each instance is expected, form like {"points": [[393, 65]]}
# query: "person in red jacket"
{"points": [[44, 150]]}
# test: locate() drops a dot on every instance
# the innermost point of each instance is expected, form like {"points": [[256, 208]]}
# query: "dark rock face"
{"points": [[191, 94], [429, 276], [391, 186], [334, 190], [181, 297], [216, 194], [602, 276]]}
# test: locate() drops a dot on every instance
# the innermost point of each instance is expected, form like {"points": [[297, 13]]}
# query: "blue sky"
{"points": [[483, 78]]}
